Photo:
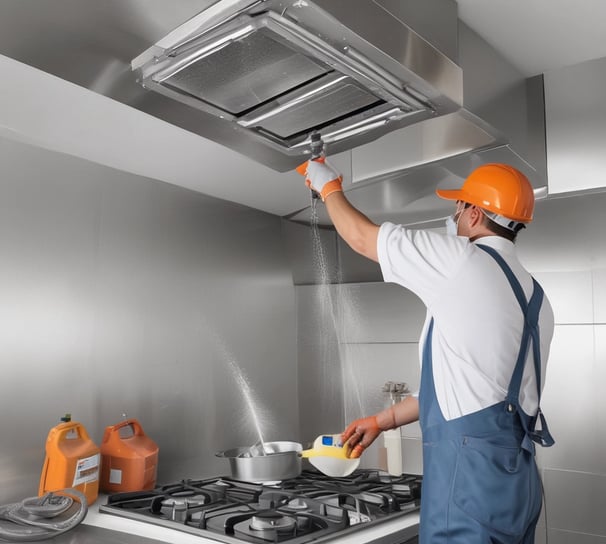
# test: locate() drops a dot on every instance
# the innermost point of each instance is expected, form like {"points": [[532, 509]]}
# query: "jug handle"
{"points": [[72, 426], [131, 422]]}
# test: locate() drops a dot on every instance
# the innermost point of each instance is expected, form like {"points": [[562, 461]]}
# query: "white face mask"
{"points": [[452, 221], [451, 226]]}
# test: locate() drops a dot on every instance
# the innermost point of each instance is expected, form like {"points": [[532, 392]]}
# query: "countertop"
{"points": [[89, 534]]}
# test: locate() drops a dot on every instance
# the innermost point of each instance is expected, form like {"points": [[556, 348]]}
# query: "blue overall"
{"points": [[480, 480]]}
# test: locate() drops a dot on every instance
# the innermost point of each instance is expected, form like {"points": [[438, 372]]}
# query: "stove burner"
{"points": [[264, 521], [181, 503], [177, 508], [297, 504]]}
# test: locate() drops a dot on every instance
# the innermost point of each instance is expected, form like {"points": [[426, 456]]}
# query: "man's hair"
{"points": [[499, 230]]}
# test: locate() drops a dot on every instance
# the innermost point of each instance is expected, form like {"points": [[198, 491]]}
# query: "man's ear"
{"points": [[475, 217]]}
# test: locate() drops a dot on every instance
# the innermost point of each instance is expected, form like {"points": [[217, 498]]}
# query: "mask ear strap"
{"points": [[459, 211]]}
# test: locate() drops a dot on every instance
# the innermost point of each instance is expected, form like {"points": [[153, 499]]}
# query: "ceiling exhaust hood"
{"points": [[273, 72]]}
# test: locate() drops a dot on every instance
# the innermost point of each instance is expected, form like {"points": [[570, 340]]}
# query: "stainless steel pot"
{"points": [[280, 461]]}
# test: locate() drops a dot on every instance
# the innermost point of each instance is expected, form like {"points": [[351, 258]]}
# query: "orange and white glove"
{"points": [[360, 434], [321, 177]]}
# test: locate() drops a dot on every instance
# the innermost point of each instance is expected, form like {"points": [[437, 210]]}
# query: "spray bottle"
{"points": [[317, 148], [395, 392]]}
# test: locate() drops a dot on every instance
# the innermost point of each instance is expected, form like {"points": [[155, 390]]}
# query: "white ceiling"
{"points": [[537, 36]]}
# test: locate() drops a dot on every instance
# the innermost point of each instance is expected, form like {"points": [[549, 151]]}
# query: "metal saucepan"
{"points": [[273, 461]]}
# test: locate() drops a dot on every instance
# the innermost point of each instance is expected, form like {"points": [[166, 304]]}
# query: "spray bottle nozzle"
{"points": [[316, 145], [317, 148]]}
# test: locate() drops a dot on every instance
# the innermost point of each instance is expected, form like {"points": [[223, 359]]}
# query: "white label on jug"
{"points": [[115, 476], [87, 470]]}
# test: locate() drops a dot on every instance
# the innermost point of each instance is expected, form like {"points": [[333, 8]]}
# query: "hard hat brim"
{"points": [[451, 194]]}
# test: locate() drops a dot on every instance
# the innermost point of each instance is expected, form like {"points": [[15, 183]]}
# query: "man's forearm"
{"points": [[359, 232], [401, 413]]}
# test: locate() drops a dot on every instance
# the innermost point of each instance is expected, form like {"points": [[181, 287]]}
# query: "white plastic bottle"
{"points": [[395, 391]]}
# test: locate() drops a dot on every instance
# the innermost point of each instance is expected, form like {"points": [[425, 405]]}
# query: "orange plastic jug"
{"points": [[128, 463], [72, 460]]}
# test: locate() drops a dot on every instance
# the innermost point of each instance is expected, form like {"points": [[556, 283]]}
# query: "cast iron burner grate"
{"points": [[309, 507]]}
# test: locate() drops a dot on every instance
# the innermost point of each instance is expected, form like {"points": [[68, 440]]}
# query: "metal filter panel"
{"points": [[242, 75], [320, 109]]}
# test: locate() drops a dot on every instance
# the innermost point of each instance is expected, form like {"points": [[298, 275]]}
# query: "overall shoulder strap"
{"points": [[515, 284], [531, 310]]}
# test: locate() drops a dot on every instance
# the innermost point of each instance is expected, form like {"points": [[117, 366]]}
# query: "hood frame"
{"points": [[355, 92]]}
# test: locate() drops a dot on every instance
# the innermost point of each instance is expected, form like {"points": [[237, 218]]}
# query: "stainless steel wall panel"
{"points": [[597, 392], [566, 234], [570, 294], [502, 96], [599, 295], [566, 537], [121, 294], [46, 312], [354, 268], [575, 121], [573, 499], [572, 377], [536, 144], [379, 313], [434, 20]]}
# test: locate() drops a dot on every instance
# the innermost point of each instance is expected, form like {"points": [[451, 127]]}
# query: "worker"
{"points": [[483, 348]]}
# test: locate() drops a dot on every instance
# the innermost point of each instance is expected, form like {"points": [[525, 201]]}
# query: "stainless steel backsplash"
{"points": [[121, 294]]}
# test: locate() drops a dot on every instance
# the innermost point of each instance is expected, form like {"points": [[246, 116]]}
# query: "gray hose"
{"points": [[31, 518]]}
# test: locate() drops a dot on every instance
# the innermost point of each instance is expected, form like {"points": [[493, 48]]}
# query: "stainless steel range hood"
{"points": [[389, 103], [276, 71]]}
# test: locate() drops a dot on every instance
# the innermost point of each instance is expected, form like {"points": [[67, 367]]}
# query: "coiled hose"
{"points": [[34, 518]]}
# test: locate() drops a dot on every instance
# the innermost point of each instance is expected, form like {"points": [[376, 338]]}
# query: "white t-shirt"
{"points": [[478, 321]]}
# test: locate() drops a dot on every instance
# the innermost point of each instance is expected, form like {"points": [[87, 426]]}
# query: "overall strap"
{"points": [[530, 334], [429, 410]]}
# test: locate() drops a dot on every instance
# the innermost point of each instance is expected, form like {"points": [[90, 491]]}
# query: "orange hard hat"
{"points": [[499, 188]]}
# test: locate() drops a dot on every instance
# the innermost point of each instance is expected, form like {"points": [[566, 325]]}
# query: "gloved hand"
{"points": [[360, 434], [321, 177]]}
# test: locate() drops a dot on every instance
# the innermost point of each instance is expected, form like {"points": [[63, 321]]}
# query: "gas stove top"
{"points": [[311, 507]]}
